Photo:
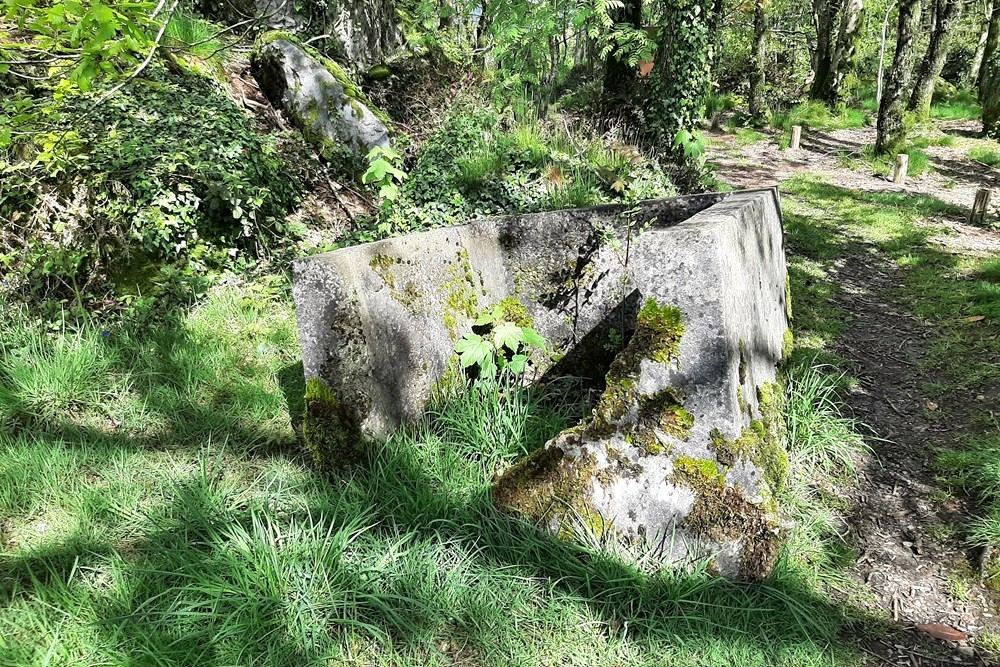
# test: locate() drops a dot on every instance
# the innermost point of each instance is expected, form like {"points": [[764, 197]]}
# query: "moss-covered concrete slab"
{"points": [[684, 300]]}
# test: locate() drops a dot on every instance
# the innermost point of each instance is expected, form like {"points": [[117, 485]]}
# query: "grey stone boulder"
{"points": [[676, 308], [318, 97]]}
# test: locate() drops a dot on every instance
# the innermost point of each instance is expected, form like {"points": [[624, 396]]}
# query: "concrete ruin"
{"points": [[677, 307]]}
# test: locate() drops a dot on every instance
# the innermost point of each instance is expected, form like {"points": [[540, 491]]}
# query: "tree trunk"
{"points": [[989, 84], [972, 76], [757, 103], [715, 31], [836, 45], [891, 132], [823, 16], [949, 12], [680, 76], [618, 75]]}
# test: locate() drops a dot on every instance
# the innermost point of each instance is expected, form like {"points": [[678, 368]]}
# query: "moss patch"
{"points": [[663, 410], [461, 299], [703, 475], [615, 401], [722, 513], [512, 310], [548, 485], [762, 442], [330, 429]]}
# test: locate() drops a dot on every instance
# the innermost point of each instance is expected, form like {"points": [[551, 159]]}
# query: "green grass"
{"points": [[476, 169], [988, 154], [818, 116], [193, 34], [157, 510], [882, 165], [962, 106]]}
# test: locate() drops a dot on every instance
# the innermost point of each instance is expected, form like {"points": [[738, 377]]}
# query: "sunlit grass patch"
{"points": [[960, 108], [177, 533], [818, 116], [988, 154]]}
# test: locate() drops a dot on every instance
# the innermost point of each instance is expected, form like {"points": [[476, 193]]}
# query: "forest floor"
{"points": [[877, 277]]}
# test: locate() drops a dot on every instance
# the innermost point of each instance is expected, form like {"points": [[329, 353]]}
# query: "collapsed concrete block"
{"points": [[683, 455]]}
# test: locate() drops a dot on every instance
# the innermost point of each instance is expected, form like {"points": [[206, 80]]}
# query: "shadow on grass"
{"points": [[209, 580], [224, 557], [405, 554]]}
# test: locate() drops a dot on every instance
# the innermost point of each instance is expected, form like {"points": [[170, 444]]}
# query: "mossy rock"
{"points": [[351, 88]]}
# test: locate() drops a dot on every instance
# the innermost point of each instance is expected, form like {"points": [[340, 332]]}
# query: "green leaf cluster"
{"points": [[501, 346]]}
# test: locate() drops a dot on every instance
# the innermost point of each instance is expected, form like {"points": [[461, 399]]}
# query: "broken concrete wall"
{"points": [[681, 456]]}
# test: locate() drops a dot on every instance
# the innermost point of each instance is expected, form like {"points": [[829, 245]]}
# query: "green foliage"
{"points": [[692, 144], [482, 162], [93, 40], [498, 346], [384, 172], [170, 173]]}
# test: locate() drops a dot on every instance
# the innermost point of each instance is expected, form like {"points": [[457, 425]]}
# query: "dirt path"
{"points": [[912, 566]]}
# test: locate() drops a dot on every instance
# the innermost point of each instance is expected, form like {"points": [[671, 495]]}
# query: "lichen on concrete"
{"points": [[461, 298]]}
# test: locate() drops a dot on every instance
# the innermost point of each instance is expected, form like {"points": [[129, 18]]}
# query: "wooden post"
{"points": [[899, 172], [980, 208], [796, 137]]}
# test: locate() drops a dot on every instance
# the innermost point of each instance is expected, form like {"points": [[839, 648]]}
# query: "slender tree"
{"points": [[972, 75], [947, 15], [757, 102], [890, 130], [838, 25], [989, 83]]}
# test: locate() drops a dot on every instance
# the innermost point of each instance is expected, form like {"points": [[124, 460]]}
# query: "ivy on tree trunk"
{"points": [[891, 131], [681, 72]]}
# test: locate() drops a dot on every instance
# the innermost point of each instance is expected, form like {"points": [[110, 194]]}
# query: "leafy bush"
{"points": [[168, 173], [482, 162]]}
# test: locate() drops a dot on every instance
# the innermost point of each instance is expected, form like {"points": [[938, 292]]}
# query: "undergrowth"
{"points": [[482, 161]]}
